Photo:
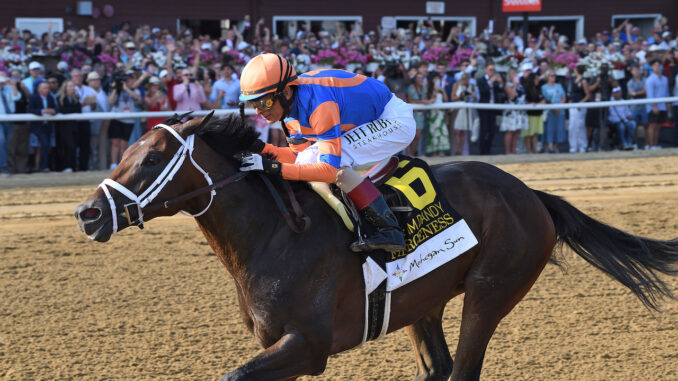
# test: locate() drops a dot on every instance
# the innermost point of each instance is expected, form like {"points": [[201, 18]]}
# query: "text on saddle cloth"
{"points": [[434, 232]]}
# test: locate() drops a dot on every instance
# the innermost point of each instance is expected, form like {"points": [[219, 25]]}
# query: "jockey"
{"points": [[352, 119]]}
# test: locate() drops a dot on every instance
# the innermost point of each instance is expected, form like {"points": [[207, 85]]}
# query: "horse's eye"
{"points": [[151, 159]]}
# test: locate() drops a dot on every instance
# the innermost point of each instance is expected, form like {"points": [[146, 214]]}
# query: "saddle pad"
{"points": [[434, 232]]}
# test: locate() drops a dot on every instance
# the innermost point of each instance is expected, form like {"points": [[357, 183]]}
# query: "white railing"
{"points": [[444, 106]]}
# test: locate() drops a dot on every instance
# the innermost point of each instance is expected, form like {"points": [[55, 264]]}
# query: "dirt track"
{"points": [[157, 304]]}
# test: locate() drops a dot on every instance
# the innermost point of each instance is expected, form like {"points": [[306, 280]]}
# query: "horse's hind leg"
{"points": [[488, 298], [428, 339]]}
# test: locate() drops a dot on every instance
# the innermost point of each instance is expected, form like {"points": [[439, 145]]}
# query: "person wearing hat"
{"points": [[127, 54], [8, 95], [155, 100], [354, 120], [33, 80], [621, 120]]}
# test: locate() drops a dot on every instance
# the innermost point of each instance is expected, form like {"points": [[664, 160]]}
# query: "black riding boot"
{"points": [[387, 234]]}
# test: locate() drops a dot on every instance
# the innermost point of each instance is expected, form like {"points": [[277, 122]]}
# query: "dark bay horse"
{"points": [[302, 295]]}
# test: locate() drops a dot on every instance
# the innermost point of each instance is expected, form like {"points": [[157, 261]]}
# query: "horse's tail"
{"points": [[632, 260]]}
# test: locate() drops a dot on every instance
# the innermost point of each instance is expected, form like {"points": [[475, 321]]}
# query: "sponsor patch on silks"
{"points": [[434, 232]]}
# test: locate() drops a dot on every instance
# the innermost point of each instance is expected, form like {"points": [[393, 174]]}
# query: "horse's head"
{"points": [[158, 168]]}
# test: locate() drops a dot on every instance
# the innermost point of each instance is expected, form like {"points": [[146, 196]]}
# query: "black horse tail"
{"points": [[634, 261]]}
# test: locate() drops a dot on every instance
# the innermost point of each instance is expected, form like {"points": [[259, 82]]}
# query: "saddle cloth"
{"points": [[434, 234]]}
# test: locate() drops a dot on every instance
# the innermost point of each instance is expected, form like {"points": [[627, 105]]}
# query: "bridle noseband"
{"points": [[134, 210]]}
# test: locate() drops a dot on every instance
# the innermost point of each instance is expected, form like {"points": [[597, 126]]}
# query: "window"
{"points": [[570, 26], [38, 25], [441, 23], [645, 22], [292, 26]]}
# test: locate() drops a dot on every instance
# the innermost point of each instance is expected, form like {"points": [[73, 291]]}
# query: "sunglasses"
{"points": [[263, 103]]}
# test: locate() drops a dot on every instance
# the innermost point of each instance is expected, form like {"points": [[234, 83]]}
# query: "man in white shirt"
{"points": [[225, 91]]}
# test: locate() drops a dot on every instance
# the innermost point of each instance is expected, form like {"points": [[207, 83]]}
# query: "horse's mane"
{"points": [[227, 135]]}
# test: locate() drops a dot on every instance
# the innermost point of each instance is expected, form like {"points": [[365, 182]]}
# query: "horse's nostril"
{"points": [[91, 214]]}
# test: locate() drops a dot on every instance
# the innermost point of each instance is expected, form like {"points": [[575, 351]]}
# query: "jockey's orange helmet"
{"points": [[264, 74]]}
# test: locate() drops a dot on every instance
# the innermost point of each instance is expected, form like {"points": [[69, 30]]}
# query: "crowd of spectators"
{"points": [[144, 68]]}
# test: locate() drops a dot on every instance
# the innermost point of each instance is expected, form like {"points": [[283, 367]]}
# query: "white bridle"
{"points": [[156, 187]]}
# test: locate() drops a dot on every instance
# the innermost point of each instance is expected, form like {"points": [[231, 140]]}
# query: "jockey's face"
{"points": [[275, 112]]}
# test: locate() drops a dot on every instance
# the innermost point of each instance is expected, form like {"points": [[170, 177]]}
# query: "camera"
{"points": [[119, 78]]}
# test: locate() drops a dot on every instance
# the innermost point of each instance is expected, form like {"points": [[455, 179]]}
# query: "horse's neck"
{"points": [[238, 223]]}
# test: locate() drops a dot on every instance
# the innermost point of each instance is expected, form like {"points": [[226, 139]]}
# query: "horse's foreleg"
{"points": [[291, 356], [428, 340]]}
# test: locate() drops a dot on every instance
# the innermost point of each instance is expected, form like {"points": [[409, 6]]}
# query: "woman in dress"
{"points": [[554, 131], [463, 91], [513, 121], [535, 122], [437, 134]]}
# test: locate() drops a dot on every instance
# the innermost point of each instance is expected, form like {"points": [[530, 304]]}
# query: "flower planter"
{"points": [[618, 74], [501, 68], [562, 71], [372, 67], [320, 67]]}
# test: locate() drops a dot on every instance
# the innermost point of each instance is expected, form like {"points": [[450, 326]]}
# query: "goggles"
{"points": [[263, 103]]}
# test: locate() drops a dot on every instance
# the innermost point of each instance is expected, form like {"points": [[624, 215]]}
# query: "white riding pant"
{"points": [[375, 141]]}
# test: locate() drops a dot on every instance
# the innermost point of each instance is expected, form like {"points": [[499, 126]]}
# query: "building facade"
{"points": [[576, 18]]}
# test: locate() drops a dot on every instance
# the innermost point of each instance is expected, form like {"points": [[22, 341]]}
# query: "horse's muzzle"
{"points": [[92, 220]]}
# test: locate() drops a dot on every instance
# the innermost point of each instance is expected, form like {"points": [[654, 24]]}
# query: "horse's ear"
{"points": [[193, 125]]}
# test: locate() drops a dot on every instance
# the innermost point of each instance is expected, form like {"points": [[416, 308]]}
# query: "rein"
{"points": [[134, 210], [302, 223]]}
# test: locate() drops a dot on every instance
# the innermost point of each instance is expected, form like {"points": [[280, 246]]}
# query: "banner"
{"points": [[521, 5]]}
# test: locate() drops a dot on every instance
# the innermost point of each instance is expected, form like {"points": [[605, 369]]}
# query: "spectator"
{"points": [[18, 151], [513, 121], [657, 87], [416, 94], [123, 98], [596, 118], [465, 91], [437, 134], [226, 90], [189, 95], [622, 121], [67, 131], [578, 93], [31, 82], [88, 101], [42, 104], [489, 87], [675, 112], [534, 96], [9, 94], [636, 90], [155, 100], [554, 131], [98, 128]]}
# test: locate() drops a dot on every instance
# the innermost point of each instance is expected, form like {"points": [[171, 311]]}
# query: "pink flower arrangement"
{"points": [[108, 61], [235, 57], [562, 60], [461, 54], [346, 56], [437, 55], [325, 57], [76, 58]]}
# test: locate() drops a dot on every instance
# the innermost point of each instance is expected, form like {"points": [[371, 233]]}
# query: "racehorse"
{"points": [[302, 295]]}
